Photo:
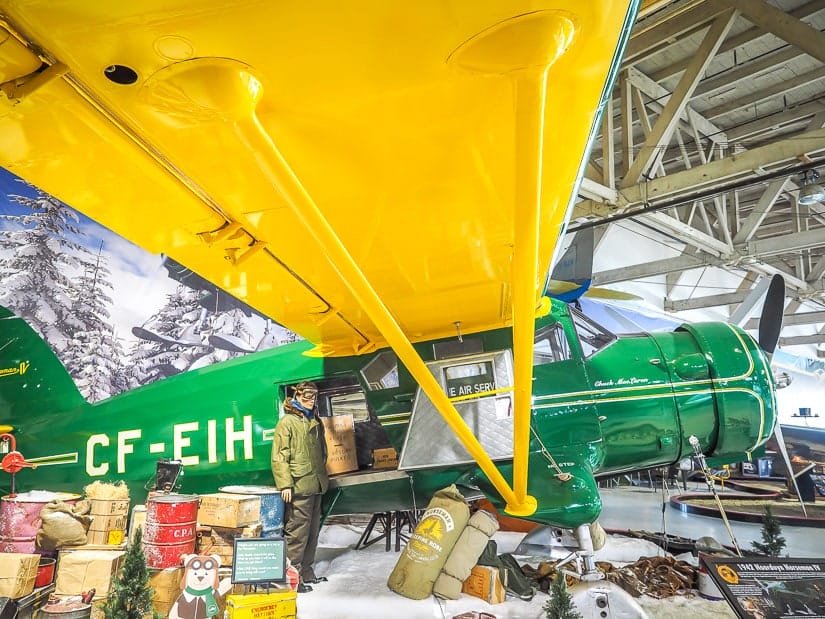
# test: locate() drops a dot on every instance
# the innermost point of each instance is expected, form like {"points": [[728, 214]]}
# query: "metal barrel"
{"points": [[170, 528], [20, 518], [54, 611]]}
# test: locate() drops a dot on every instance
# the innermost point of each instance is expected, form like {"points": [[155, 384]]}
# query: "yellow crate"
{"points": [[277, 605]]}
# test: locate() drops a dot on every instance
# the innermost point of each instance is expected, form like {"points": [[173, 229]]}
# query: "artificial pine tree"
{"points": [[560, 604], [772, 542], [131, 594]]}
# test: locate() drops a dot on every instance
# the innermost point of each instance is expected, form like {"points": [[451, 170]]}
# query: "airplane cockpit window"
{"points": [[550, 345], [381, 372], [593, 337]]}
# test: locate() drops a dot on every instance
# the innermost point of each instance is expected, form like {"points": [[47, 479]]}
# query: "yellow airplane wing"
{"points": [[364, 173], [430, 138]]}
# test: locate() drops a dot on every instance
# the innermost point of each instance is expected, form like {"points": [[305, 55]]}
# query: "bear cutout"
{"points": [[201, 588]]}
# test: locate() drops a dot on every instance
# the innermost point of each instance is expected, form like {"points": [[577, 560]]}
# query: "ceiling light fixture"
{"points": [[811, 192]]}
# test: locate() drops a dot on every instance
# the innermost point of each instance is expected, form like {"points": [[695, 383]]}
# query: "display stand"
{"points": [[385, 521]]}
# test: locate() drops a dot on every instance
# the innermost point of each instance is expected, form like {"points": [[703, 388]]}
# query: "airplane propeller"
{"points": [[770, 321], [770, 325]]}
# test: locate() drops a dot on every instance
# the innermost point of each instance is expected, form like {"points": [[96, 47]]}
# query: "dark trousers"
{"points": [[302, 521]]}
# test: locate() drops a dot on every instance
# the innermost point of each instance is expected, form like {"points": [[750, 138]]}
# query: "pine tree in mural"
{"points": [[93, 355], [174, 323], [131, 595], [40, 249]]}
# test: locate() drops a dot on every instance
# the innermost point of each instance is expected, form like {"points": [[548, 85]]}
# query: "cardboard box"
{"points": [[166, 586], [79, 571], [485, 582], [138, 520], [17, 574], [339, 433], [106, 530], [221, 540], [224, 509], [277, 605], [386, 458], [109, 507]]}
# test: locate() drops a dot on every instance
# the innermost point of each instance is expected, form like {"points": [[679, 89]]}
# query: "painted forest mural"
{"points": [[116, 316]]}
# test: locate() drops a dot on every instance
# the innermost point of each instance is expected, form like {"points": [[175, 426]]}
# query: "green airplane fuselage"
{"points": [[601, 405]]}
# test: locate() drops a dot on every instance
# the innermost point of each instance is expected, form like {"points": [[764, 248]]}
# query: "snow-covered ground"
{"points": [[357, 586]]}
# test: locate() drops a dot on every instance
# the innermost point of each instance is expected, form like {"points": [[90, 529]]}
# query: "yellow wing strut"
{"points": [[524, 48]]}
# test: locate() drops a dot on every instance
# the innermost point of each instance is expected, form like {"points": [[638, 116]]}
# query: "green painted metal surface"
{"points": [[610, 405]]}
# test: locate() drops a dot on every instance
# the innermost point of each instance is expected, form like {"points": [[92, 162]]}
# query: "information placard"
{"points": [[259, 560], [770, 587]]}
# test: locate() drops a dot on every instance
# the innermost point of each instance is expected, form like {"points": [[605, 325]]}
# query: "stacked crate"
{"points": [[222, 517], [109, 517], [166, 586]]}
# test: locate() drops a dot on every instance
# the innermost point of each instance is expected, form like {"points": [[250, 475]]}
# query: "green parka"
{"points": [[299, 453]]}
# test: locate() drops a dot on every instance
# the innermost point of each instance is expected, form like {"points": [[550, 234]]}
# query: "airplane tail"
{"points": [[572, 275], [32, 378]]}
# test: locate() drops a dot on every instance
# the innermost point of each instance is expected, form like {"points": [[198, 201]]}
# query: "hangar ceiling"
{"points": [[717, 114]]}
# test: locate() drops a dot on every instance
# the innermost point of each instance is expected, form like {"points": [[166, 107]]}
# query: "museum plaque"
{"points": [[259, 560], [770, 587]]}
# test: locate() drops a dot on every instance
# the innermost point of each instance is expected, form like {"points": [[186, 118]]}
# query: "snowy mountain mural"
{"points": [[117, 316]]}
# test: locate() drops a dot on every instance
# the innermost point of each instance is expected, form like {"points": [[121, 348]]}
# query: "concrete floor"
{"points": [[641, 509]]}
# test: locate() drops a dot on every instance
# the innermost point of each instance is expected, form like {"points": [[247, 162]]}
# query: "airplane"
{"points": [[389, 182]]}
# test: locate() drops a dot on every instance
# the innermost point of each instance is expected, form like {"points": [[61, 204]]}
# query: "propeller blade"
{"points": [[770, 322]]}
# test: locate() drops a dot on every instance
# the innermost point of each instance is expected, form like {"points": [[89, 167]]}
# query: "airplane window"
{"points": [[382, 371], [550, 345], [354, 404], [593, 337]]}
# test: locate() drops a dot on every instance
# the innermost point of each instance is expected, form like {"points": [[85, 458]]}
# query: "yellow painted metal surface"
{"points": [[367, 173], [399, 121]]}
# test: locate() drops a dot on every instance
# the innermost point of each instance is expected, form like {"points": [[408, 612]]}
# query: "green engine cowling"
{"points": [[736, 380]]}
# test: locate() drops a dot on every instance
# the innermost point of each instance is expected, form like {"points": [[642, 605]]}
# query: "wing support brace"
{"points": [[523, 47]]}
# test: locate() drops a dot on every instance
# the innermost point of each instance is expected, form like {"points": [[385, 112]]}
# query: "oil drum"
{"points": [[170, 528], [20, 518]]}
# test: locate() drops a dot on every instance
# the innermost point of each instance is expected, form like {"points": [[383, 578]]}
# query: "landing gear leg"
{"points": [[594, 596], [585, 565]]}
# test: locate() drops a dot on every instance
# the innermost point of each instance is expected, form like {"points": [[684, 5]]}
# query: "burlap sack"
{"points": [[62, 524]]}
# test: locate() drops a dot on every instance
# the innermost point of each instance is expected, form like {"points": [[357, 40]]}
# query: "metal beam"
{"points": [[738, 40], [748, 70], [686, 233], [760, 210], [766, 93], [653, 149], [811, 143], [799, 340], [771, 122], [682, 263], [661, 95], [785, 243], [751, 303], [793, 320], [596, 191], [785, 26], [703, 302]]}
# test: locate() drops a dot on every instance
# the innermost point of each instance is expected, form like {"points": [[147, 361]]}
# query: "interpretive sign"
{"points": [[770, 587], [259, 560]]}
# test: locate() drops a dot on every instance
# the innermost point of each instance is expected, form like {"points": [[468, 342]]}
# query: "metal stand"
{"points": [[386, 521]]}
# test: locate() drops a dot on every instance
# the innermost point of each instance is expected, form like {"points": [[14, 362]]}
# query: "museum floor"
{"points": [[641, 508]]}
